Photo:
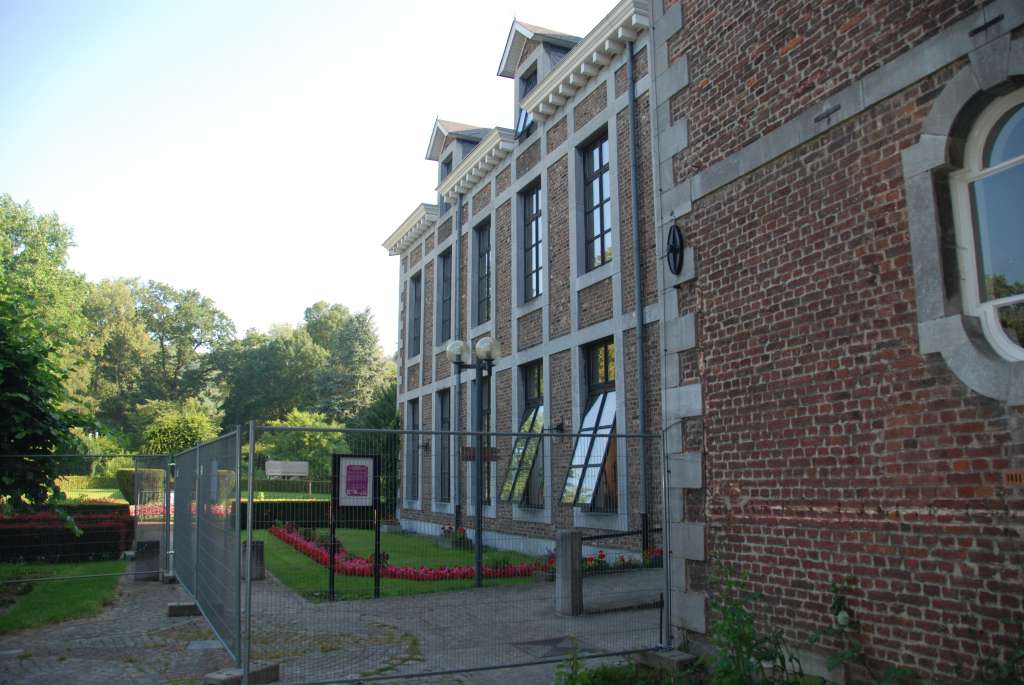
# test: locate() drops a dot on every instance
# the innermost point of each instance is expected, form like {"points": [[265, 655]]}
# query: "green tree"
{"points": [[185, 327], [356, 366], [38, 322], [117, 350], [176, 427], [309, 446], [268, 375]]}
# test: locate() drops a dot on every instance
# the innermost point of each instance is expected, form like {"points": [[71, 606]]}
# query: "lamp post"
{"points": [[461, 357]]}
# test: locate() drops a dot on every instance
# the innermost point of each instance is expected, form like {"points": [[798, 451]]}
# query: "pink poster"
{"points": [[357, 480]]}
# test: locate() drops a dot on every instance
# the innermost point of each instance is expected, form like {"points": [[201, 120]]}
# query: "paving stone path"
{"points": [[134, 641]]}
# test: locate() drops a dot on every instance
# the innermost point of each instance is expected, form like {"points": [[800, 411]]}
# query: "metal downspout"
{"points": [[638, 290], [457, 333]]}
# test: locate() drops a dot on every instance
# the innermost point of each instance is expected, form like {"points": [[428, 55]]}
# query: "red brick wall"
{"points": [[590, 106], [528, 159], [832, 447], [444, 230], [503, 180], [482, 198], [559, 244], [639, 71], [531, 331], [754, 66], [557, 133], [595, 303], [502, 294], [648, 234]]}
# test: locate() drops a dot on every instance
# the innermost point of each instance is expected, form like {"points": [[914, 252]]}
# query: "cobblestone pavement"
{"points": [[446, 631], [134, 641]]}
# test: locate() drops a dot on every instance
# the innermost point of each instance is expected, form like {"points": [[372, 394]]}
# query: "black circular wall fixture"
{"points": [[675, 247]]}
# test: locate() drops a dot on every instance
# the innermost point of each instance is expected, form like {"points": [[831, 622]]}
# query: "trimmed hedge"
{"points": [[42, 535], [149, 479], [320, 487], [306, 513]]}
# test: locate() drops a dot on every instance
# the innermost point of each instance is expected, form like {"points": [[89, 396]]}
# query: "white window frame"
{"points": [[963, 218]]}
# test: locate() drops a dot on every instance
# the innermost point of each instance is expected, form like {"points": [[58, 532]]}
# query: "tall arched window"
{"points": [[988, 210]]}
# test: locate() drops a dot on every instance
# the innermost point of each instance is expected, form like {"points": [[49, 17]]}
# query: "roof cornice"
{"points": [[422, 219], [608, 39], [490, 152]]}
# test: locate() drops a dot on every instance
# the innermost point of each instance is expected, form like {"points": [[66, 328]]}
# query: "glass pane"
{"points": [[588, 486], [1012, 319], [572, 481], [590, 418], [608, 413], [1008, 139], [595, 253], [998, 207], [604, 151]]}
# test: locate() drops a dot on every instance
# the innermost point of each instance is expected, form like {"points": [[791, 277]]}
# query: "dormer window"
{"points": [[527, 82], [446, 168]]}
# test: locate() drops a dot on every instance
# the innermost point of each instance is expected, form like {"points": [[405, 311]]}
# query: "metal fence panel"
{"points": [[432, 616], [184, 519], [218, 546]]}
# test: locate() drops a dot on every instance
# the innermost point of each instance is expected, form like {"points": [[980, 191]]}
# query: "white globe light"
{"points": [[456, 351], [488, 348]]}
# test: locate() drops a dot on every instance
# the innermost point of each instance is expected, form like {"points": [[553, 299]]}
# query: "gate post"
{"points": [[569, 573]]}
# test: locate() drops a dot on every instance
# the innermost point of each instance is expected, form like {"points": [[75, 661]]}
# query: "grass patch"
{"points": [[71, 495], [272, 496], [29, 604], [309, 579]]}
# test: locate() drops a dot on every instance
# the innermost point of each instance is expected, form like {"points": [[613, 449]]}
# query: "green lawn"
{"points": [[308, 578], [85, 494], [36, 603], [271, 496]]}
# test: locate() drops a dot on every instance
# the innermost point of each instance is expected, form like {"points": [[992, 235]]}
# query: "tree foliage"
{"points": [[176, 427], [37, 320], [313, 447]]}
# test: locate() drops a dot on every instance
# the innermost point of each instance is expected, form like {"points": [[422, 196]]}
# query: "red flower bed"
{"points": [[349, 565], [44, 535]]}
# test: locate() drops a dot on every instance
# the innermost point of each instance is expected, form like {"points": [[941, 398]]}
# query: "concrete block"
{"points": [[673, 138], [664, 660], [671, 375], [950, 102], [668, 24], [677, 572], [569, 573], [179, 609], [924, 247], [689, 610], [684, 401], [685, 470], [946, 333], [672, 80], [991, 62], [675, 505], [677, 200], [680, 334], [928, 154], [258, 673], [687, 540]]}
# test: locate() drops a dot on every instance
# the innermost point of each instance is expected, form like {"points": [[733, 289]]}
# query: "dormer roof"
{"points": [[444, 128], [519, 35]]}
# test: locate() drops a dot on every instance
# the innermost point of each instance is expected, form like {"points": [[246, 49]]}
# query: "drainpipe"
{"points": [[457, 334], [638, 290]]}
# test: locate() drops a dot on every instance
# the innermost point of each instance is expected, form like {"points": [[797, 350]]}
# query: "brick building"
{"points": [[831, 264]]}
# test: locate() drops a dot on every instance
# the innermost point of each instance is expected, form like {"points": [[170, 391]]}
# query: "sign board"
{"points": [[355, 481], [487, 453], [287, 469]]}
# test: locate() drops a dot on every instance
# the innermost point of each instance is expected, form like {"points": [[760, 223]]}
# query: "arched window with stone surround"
{"points": [[988, 211]]}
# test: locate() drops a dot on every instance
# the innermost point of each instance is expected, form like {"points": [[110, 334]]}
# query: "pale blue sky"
{"points": [[258, 151]]}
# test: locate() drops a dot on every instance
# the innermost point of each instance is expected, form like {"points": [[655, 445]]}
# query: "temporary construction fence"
{"points": [[207, 533], [345, 586], [370, 559]]}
